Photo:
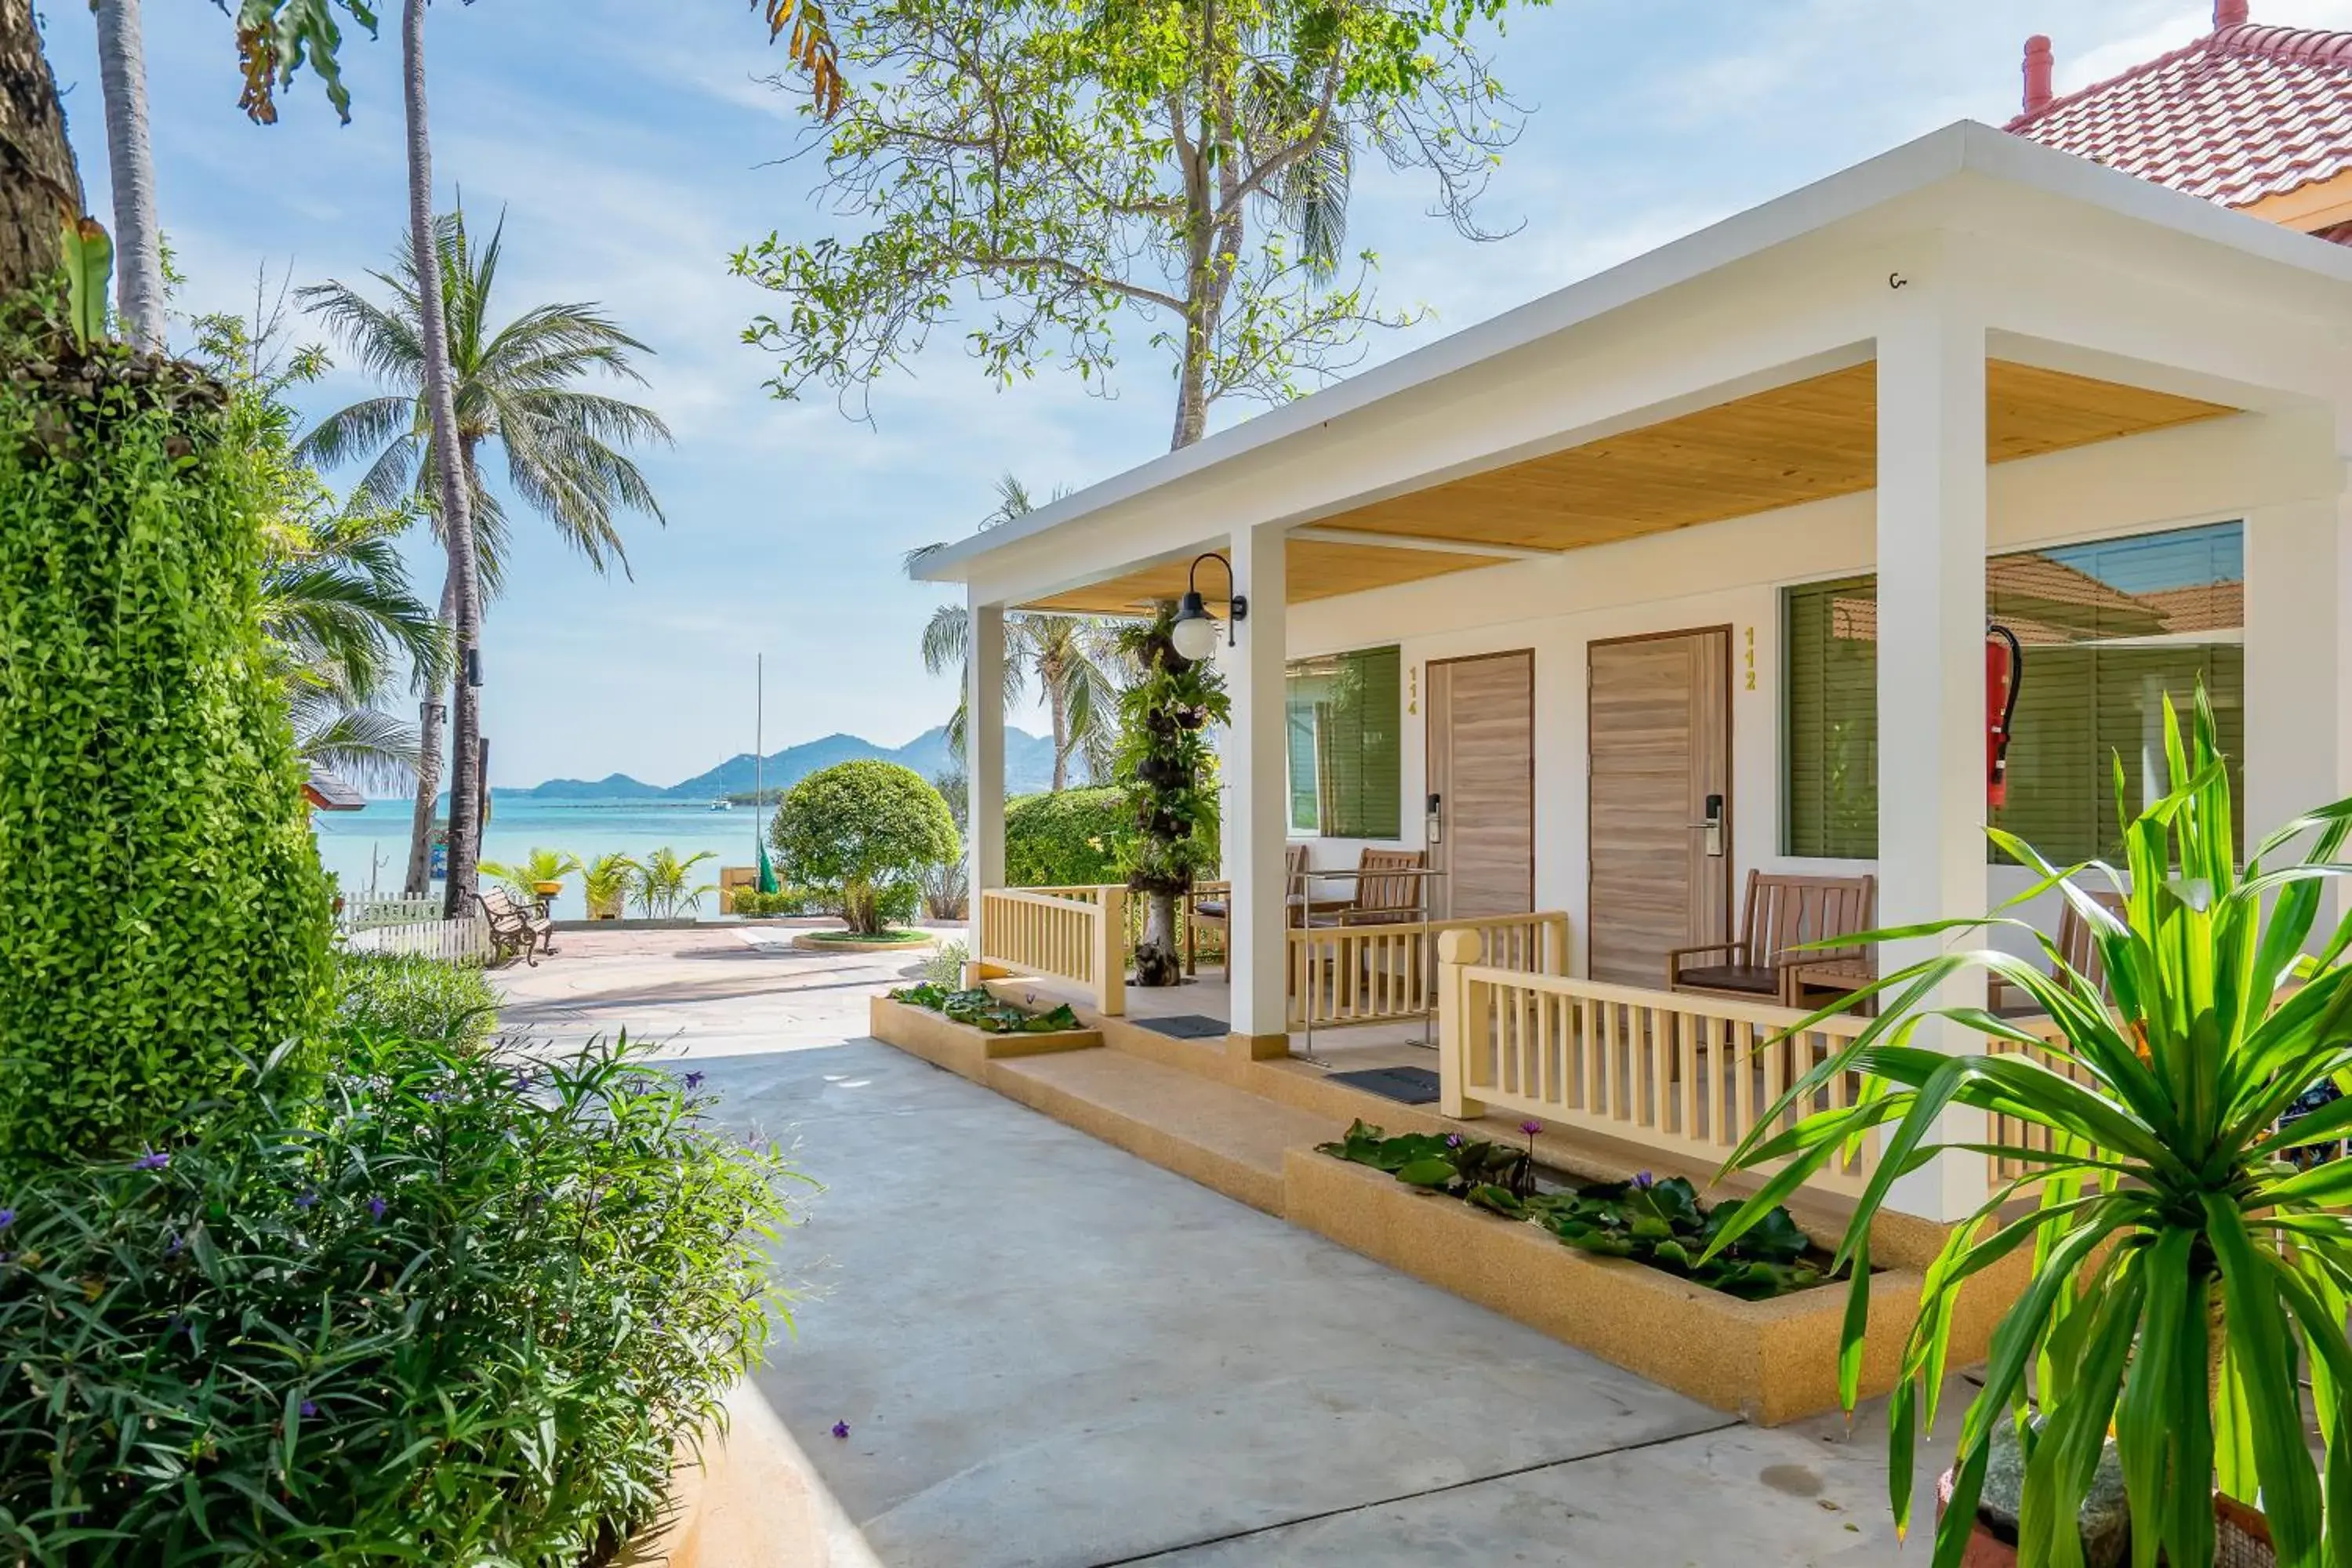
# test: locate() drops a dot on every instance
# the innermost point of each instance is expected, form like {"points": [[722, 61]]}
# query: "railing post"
{"points": [[1110, 951], [1456, 951], [1555, 941]]}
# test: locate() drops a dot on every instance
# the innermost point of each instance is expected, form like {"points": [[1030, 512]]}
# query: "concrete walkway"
{"points": [[1049, 1352], [712, 990]]}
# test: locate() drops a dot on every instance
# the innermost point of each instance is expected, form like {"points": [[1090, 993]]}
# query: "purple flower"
{"points": [[524, 1082], [309, 1408], [7, 1217], [1530, 1128], [153, 1159], [693, 1082], [1454, 1140], [841, 1429], [376, 1205], [175, 1246], [1644, 1180], [436, 1095], [308, 1200]]}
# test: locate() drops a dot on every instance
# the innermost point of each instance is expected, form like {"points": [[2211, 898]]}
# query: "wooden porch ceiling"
{"points": [[1807, 441]]}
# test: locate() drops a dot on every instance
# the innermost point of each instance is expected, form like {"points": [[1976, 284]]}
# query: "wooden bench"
{"points": [[1780, 912], [515, 930]]}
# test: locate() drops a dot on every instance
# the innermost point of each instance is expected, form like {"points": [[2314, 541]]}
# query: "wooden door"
{"points": [[1482, 769], [1659, 732]]}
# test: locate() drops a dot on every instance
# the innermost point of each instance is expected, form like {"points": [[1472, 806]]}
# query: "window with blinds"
{"points": [[1345, 730], [2110, 630]]}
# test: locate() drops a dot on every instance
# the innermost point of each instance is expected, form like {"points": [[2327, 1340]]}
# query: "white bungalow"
{"points": [[1685, 571]]}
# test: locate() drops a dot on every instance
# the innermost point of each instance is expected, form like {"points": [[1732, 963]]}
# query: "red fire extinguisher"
{"points": [[2004, 677]]}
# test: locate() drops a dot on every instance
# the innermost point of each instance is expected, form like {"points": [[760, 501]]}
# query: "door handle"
{"points": [[1713, 826]]}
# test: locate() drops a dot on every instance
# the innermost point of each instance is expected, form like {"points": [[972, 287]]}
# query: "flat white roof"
{"points": [[1965, 148]]}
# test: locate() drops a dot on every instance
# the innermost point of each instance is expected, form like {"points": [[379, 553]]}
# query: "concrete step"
{"points": [[1223, 1138]]}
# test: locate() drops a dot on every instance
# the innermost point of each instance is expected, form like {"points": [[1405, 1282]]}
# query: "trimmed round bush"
{"points": [[1068, 839], [859, 833], [167, 924], [459, 1308]]}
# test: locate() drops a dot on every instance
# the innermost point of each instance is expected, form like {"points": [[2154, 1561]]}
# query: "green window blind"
{"points": [[2110, 629], [1345, 744]]}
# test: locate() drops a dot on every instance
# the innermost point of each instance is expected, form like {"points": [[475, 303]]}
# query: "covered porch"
{"points": [[1683, 575]]}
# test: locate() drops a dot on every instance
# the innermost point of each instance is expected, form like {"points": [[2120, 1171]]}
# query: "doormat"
{"points": [[1406, 1086], [1185, 1027]]}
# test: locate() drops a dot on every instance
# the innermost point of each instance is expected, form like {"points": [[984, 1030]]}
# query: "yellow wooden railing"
{"points": [[1339, 975], [1079, 934], [1684, 1074]]}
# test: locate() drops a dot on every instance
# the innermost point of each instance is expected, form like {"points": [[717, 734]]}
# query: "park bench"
{"points": [[515, 930]]}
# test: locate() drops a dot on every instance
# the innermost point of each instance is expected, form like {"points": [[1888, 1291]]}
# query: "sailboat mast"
{"points": [[758, 749]]}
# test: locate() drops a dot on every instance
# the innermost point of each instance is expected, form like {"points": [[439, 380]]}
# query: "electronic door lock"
{"points": [[1436, 824], [1713, 826]]}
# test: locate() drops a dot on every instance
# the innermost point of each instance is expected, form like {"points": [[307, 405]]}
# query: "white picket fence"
{"points": [[451, 942], [366, 914]]}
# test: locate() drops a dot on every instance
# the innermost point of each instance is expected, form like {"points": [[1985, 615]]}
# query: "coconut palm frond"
{"points": [[373, 750]]}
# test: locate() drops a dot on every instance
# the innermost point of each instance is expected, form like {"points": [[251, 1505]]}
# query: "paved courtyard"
{"points": [[1049, 1352]]}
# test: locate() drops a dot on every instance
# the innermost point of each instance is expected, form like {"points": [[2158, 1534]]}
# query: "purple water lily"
{"points": [[1454, 1140], [153, 1159], [841, 1429], [1530, 1128], [1644, 1180]]}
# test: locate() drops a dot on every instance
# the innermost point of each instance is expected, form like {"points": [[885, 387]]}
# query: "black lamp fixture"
{"points": [[1194, 632]]}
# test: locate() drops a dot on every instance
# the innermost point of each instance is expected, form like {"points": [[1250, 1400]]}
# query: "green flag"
{"points": [[767, 872]]}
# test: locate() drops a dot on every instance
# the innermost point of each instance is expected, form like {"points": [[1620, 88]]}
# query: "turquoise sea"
{"points": [[369, 846]]}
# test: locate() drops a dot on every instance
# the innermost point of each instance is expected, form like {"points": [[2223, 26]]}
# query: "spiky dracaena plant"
{"points": [[2182, 1266]]}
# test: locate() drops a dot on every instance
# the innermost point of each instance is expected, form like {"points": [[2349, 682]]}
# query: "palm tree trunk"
{"points": [[131, 165], [1058, 705], [456, 504], [39, 188], [431, 715]]}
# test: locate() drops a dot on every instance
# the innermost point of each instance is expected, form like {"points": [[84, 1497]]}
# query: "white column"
{"points": [[1931, 636], [984, 757], [2295, 604], [1257, 795]]}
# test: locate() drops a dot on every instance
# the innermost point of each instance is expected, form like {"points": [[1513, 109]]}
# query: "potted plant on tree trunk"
{"points": [[1164, 764], [2183, 1266]]}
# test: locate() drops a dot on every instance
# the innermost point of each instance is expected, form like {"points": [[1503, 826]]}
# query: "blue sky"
{"points": [[633, 148]]}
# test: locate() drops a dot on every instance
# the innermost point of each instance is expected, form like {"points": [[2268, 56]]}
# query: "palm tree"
{"points": [[343, 627], [661, 882], [131, 167], [1075, 658], [461, 590], [516, 386], [343, 623], [543, 866]]}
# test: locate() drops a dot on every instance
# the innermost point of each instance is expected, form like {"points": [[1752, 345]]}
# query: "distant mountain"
{"points": [[1028, 765]]}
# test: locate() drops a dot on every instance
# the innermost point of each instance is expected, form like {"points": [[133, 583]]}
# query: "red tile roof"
{"points": [[2242, 113]]}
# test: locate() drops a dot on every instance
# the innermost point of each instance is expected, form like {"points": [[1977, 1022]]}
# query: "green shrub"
{"points": [[405, 994], [860, 833], [1660, 1224], [457, 1311], [167, 921], [1068, 838]]}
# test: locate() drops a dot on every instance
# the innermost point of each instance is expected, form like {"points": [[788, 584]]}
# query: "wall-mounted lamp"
{"points": [[1195, 630]]}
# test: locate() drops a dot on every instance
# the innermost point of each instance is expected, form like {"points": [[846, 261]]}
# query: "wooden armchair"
{"points": [[1208, 906], [2074, 945], [515, 930], [1388, 900], [1780, 912]]}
